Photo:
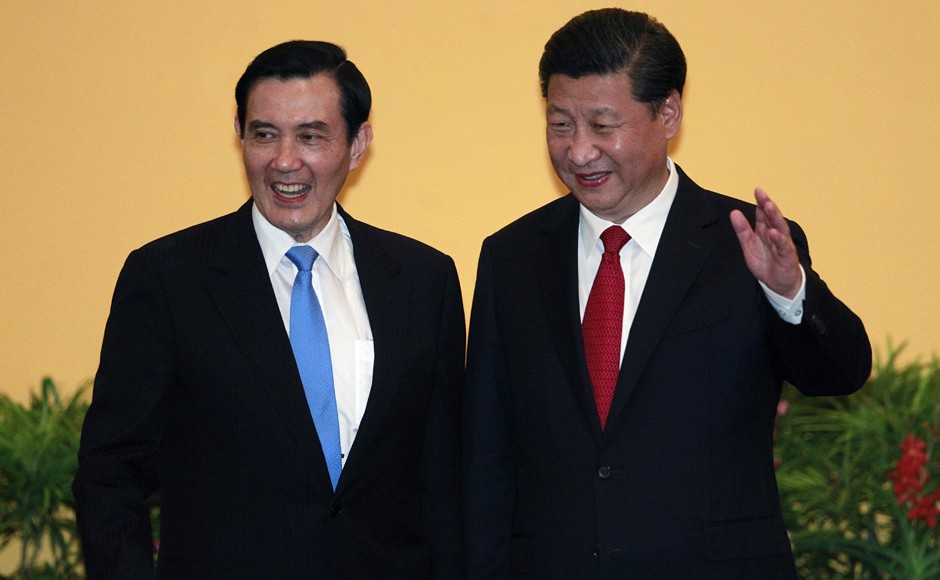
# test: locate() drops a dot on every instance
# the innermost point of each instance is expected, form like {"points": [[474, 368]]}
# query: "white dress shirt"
{"points": [[636, 257], [336, 282]]}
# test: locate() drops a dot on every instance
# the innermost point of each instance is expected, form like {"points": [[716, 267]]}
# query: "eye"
{"points": [[309, 138], [559, 126], [263, 136]]}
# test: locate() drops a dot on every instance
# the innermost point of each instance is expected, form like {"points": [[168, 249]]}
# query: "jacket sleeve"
{"points": [[829, 352], [123, 428], [489, 465], [442, 465]]}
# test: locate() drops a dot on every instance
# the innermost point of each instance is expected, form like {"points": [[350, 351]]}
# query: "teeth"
{"points": [[291, 190]]}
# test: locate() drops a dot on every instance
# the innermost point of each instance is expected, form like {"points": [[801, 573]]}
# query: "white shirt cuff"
{"points": [[789, 310]]}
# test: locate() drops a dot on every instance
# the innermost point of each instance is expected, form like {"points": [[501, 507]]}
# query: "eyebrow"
{"points": [[593, 112], [254, 125], [315, 125], [310, 125]]}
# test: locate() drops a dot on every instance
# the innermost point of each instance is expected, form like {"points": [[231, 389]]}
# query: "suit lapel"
{"points": [[387, 305], [684, 247], [239, 283], [556, 261]]}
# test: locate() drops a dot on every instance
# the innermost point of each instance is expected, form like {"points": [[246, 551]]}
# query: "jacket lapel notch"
{"points": [[238, 282], [387, 305], [688, 238], [558, 273]]}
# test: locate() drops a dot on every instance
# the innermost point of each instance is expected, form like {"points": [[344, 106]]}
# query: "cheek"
{"points": [[557, 151], [332, 167], [254, 165], [617, 147]]}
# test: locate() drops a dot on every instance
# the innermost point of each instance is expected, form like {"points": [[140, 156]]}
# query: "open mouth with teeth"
{"points": [[592, 179], [290, 192]]}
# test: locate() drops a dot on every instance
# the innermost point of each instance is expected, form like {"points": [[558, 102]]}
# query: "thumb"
{"points": [[740, 225]]}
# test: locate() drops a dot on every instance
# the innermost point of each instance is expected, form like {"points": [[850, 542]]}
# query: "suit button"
{"points": [[335, 510], [819, 324], [603, 472], [597, 553]]}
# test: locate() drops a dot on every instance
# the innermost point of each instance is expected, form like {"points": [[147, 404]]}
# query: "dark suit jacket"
{"points": [[681, 484], [198, 396]]}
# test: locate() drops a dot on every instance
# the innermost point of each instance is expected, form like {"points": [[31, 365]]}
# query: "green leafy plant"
{"points": [[858, 475], [38, 458]]}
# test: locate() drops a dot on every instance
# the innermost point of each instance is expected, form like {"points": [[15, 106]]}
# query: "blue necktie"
{"points": [[311, 346]]}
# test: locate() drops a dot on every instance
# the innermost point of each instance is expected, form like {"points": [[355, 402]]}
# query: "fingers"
{"points": [[770, 228], [768, 248], [739, 223], [769, 213]]}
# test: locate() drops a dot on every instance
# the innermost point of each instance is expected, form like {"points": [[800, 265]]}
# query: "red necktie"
{"points": [[602, 326]]}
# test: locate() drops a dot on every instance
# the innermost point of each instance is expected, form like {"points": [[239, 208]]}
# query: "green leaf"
{"points": [[39, 453], [835, 456]]}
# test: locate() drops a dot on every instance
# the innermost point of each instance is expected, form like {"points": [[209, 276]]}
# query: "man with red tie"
{"points": [[628, 343]]}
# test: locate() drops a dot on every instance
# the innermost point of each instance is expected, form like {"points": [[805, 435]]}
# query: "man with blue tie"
{"points": [[286, 377]]}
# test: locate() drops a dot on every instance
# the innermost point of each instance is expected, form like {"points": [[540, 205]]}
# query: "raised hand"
{"points": [[768, 247]]}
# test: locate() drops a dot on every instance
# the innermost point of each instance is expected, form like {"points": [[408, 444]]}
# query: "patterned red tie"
{"points": [[602, 326]]}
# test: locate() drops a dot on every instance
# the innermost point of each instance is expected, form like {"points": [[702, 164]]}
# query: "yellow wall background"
{"points": [[116, 128]]}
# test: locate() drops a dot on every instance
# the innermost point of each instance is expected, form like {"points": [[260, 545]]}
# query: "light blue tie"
{"points": [[311, 346]]}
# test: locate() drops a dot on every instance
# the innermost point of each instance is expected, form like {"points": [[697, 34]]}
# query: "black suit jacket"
{"points": [[681, 484], [198, 396]]}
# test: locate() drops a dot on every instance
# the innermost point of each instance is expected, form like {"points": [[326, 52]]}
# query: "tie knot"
{"points": [[303, 257], [614, 238]]}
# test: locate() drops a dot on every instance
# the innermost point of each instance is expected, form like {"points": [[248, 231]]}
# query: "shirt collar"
{"points": [[645, 226], [275, 242]]}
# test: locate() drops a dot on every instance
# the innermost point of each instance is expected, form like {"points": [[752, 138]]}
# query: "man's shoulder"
{"points": [[559, 213], [368, 237], [195, 241], [723, 204], [689, 188]]}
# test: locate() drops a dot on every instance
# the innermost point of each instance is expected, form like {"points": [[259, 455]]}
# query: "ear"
{"points": [[671, 114], [360, 144], [238, 128]]}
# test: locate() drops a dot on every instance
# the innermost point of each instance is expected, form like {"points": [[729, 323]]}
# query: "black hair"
{"points": [[612, 40], [304, 59]]}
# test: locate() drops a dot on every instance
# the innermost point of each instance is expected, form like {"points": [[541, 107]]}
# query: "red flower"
{"points": [[926, 508], [910, 478]]}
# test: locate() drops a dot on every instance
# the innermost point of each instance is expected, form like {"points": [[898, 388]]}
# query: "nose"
{"points": [[582, 149], [287, 157]]}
